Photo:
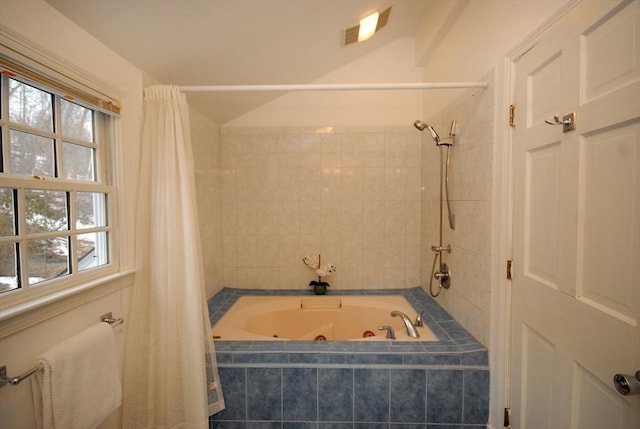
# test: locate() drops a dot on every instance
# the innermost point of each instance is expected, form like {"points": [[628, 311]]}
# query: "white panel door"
{"points": [[576, 237]]}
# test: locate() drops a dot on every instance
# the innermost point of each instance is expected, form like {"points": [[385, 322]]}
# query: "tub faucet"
{"points": [[411, 329]]}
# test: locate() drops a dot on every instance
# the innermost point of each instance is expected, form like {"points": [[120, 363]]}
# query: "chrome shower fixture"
{"points": [[422, 125], [443, 274], [453, 129]]}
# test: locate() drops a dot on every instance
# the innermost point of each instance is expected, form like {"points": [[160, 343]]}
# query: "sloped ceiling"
{"points": [[235, 42]]}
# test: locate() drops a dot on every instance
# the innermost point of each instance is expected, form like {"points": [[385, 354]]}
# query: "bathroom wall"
{"points": [[393, 62], [205, 141], [461, 41], [333, 173], [471, 169], [351, 194], [37, 25]]}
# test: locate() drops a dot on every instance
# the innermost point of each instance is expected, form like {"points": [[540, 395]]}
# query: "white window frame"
{"points": [[26, 306]]}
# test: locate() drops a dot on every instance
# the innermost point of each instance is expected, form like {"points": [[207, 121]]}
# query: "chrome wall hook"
{"points": [[556, 121], [568, 122]]}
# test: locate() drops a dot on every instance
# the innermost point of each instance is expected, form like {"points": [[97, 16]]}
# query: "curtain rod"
{"points": [[332, 87]]}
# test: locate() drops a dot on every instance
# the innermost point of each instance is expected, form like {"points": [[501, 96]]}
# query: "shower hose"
{"points": [[438, 253]]}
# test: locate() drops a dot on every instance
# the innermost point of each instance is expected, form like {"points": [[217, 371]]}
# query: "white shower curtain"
{"points": [[170, 377]]}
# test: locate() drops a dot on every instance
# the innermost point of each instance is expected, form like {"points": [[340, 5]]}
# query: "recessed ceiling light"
{"points": [[367, 27]]}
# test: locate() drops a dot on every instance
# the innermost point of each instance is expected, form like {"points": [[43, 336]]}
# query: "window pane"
{"points": [[8, 271], [30, 106], [77, 121], [77, 162], [90, 210], [7, 213], [46, 211], [92, 250], [48, 259], [31, 154]]}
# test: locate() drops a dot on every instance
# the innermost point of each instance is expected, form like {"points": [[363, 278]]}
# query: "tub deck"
{"points": [[309, 318], [454, 344]]}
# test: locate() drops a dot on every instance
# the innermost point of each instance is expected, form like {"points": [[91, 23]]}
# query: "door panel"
{"points": [[544, 90], [542, 196], [576, 226], [613, 41], [609, 217], [596, 405], [537, 382]]}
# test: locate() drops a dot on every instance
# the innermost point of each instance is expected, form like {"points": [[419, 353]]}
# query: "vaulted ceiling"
{"points": [[235, 42]]}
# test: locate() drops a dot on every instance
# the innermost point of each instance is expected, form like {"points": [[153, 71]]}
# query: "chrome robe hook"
{"points": [[568, 122]]}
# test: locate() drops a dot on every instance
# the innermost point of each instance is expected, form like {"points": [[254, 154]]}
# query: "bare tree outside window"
{"points": [[58, 231], [30, 106]]}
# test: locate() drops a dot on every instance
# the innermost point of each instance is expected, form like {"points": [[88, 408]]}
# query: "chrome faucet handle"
{"points": [[390, 334], [419, 317]]}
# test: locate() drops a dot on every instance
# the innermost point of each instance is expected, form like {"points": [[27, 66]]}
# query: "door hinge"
{"points": [[507, 417], [509, 265], [512, 115]]}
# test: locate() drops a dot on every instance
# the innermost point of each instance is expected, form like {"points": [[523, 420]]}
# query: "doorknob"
{"points": [[627, 384]]}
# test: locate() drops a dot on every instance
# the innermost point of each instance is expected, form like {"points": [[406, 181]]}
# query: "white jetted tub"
{"points": [[304, 318]]}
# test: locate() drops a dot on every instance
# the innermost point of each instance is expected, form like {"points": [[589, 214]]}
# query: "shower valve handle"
{"points": [[440, 249]]}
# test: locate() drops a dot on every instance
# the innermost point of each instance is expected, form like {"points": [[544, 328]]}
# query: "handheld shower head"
{"points": [[434, 134], [422, 126]]}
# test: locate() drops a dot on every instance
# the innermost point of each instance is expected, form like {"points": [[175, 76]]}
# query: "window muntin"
{"points": [[45, 211], [54, 192], [7, 213], [92, 250], [8, 267], [90, 210], [77, 121], [31, 154], [48, 258], [78, 162], [30, 106]]}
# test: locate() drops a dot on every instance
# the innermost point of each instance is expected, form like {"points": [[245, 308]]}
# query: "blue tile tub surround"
{"points": [[336, 384]]}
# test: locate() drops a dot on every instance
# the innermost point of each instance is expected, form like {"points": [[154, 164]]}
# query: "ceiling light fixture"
{"points": [[367, 27]]}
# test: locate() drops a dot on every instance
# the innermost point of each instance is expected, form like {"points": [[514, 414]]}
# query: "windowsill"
{"points": [[24, 315]]}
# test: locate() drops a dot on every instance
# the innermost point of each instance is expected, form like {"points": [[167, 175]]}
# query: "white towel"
{"points": [[79, 385]]}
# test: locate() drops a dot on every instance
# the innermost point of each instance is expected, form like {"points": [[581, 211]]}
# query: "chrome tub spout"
{"points": [[411, 329]]}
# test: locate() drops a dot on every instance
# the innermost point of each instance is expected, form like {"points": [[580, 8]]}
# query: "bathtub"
{"points": [[272, 381], [313, 318]]}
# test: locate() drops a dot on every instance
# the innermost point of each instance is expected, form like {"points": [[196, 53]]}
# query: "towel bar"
{"points": [[5, 379]]}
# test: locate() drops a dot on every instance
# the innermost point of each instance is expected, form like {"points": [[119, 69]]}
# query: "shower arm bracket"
{"points": [[440, 249]]}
